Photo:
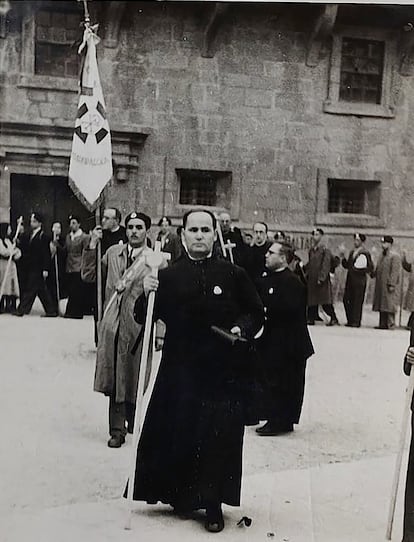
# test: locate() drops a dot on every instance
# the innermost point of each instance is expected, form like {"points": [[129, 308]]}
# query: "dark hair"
{"points": [[164, 218], [263, 224], [74, 217], [281, 234], [319, 230], [118, 215], [191, 211], [287, 250], [4, 226], [37, 216]]}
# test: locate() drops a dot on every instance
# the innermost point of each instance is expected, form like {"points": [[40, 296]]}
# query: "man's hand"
{"points": [[53, 249], [120, 287], [96, 236], [320, 282], [151, 284], [45, 274], [391, 288], [159, 343], [409, 356], [236, 331]]}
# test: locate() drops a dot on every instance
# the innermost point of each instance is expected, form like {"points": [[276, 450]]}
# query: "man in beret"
{"points": [[359, 265], [387, 278], [38, 262], [117, 365]]}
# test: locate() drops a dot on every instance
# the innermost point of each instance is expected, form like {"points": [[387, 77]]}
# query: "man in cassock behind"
{"points": [[285, 344], [190, 452]]}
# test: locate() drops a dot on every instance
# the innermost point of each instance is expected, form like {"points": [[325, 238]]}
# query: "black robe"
{"points": [[240, 251], [190, 452], [255, 260], [408, 525], [284, 346]]}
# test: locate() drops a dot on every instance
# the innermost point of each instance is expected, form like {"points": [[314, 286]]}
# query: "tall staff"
{"points": [[401, 444], [9, 261], [154, 260]]}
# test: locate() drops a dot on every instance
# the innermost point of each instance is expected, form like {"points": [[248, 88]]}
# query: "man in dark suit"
{"points": [[38, 262]]}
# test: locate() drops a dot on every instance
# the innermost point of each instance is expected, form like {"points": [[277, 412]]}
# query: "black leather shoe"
{"points": [[311, 322], [214, 519], [332, 322], [17, 313], [116, 441], [49, 315], [275, 430]]}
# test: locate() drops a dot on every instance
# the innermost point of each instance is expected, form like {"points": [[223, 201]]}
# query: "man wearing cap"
{"points": [[359, 265], [38, 262], [76, 242], [387, 278], [117, 365], [318, 271]]}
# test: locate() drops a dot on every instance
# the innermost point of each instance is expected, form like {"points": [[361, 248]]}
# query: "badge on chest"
{"points": [[217, 290]]}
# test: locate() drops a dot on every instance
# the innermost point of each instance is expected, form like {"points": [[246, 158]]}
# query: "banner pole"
{"points": [[9, 262], [98, 269]]}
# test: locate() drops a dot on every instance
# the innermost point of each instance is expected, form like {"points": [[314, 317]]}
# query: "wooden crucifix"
{"points": [[229, 248]]}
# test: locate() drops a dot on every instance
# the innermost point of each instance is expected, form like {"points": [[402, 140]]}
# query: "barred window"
{"points": [[362, 65], [201, 187], [55, 54], [353, 197]]}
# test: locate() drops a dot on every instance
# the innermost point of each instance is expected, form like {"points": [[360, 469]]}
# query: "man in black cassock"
{"points": [[231, 234], [359, 265], [255, 259], [285, 344], [190, 452]]}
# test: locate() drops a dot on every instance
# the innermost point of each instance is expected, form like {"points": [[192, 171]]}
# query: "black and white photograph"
{"points": [[206, 271]]}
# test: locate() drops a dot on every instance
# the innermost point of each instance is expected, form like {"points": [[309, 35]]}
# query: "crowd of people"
{"points": [[231, 313]]}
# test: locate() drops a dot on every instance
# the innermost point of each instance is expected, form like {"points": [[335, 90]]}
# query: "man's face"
{"points": [[357, 242], [57, 228], [199, 235], [109, 221], [385, 246], [136, 232], [74, 225], [316, 237], [259, 234], [34, 224], [164, 226], [225, 222], [274, 259]]}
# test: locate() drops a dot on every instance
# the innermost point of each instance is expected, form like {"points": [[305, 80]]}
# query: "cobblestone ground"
{"points": [[329, 481]]}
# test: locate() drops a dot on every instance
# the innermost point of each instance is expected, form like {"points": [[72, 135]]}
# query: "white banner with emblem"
{"points": [[90, 167]]}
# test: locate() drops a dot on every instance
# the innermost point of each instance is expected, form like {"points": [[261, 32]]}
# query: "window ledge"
{"points": [[348, 219], [47, 82], [359, 109]]}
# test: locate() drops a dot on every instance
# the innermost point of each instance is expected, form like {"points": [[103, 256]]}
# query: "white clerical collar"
{"points": [[75, 234], [115, 230], [200, 259], [280, 269]]}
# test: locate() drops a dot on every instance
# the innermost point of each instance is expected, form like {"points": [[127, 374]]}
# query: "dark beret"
{"points": [[360, 236], [37, 216], [387, 239], [145, 218]]}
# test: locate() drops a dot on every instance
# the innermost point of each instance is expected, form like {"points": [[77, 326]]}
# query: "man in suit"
{"points": [[387, 278], [38, 262]]}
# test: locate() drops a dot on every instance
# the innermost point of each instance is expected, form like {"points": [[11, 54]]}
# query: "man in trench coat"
{"points": [[117, 362], [387, 278], [318, 271]]}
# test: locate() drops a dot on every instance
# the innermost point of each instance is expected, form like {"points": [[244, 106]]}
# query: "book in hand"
{"points": [[227, 336]]}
